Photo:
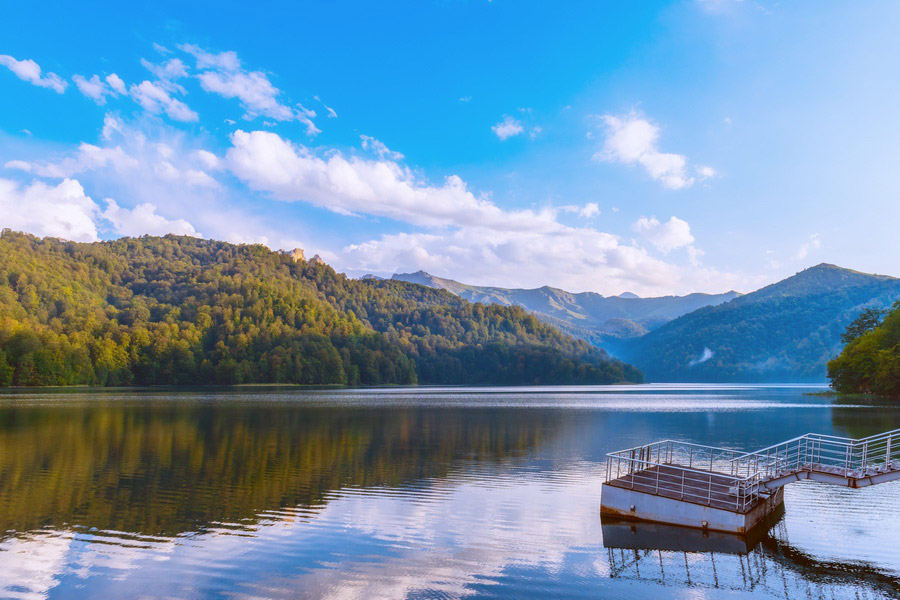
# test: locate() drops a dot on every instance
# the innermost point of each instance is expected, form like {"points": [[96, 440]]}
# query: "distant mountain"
{"points": [[599, 319], [786, 331]]}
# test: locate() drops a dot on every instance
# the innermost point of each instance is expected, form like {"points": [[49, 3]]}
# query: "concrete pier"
{"points": [[626, 503]]}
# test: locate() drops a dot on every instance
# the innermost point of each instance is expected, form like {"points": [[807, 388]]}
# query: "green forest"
{"points": [[183, 311], [870, 362]]}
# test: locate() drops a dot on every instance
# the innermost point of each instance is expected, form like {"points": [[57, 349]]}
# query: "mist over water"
{"points": [[411, 493]]}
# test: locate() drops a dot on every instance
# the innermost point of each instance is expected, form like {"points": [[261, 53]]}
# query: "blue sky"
{"points": [[657, 148]]}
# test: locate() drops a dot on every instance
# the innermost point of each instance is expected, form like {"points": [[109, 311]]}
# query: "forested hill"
{"points": [[783, 332], [181, 310]]}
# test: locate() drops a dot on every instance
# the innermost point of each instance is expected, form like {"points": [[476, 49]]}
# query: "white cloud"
{"points": [[30, 71], [675, 233], [705, 172], [115, 83], [331, 112], [574, 259], [143, 220], [86, 158], [140, 158], [59, 211], [227, 61], [466, 99], [170, 70], [154, 98], [97, 89], [632, 139], [267, 162], [507, 128], [588, 211], [224, 76], [810, 245], [378, 148], [149, 162]]}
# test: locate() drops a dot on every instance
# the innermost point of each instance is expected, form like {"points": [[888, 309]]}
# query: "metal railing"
{"points": [[690, 472], [840, 456], [724, 477]]}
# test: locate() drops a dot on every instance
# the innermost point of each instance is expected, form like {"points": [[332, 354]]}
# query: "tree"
{"points": [[867, 320]]}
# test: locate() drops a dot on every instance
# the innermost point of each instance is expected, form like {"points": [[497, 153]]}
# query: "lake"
{"points": [[414, 493]]}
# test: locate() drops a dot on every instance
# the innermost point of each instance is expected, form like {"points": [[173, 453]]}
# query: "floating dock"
{"points": [[719, 489]]}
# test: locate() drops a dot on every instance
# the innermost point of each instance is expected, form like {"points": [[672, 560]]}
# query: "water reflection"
{"points": [[393, 494], [762, 562]]}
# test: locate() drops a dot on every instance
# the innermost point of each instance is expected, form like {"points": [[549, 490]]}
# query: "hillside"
{"points": [[181, 310], [588, 315], [870, 363], [786, 331]]}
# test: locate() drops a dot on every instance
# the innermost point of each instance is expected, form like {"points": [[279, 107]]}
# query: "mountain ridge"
{"points": [[589, 315]]}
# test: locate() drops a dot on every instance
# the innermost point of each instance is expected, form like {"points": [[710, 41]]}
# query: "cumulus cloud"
{"points": [[66, 211], [267, 162], [222, 74], [128, 152], [97, 89], [507, 128], [154, 98], [30, 71], [632, 139], [144, 220], [63, 210], [674, 233], [571, 258]]}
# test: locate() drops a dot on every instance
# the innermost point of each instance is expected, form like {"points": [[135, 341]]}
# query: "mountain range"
{"points": [[786, 331], [588, 315]]}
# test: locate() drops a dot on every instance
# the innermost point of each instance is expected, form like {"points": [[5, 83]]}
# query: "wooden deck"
{"points": [[697, 487]]}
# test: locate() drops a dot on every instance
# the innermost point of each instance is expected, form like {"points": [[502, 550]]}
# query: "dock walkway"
{"points": [[697, 485]]}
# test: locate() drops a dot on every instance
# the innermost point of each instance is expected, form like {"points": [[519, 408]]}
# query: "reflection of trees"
{"points": [[860, 417], [166, 469]]}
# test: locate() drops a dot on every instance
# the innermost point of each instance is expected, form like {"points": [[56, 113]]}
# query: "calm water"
{"points": [[411, 493]]}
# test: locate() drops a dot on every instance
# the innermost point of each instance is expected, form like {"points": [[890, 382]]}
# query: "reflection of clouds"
{"points": [[117, 553], [32, 564], [822, 518], [365, 543], [454, 536]]}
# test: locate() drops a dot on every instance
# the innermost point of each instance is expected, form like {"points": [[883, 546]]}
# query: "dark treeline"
{"points": [[180, 310], [870, 362]]}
